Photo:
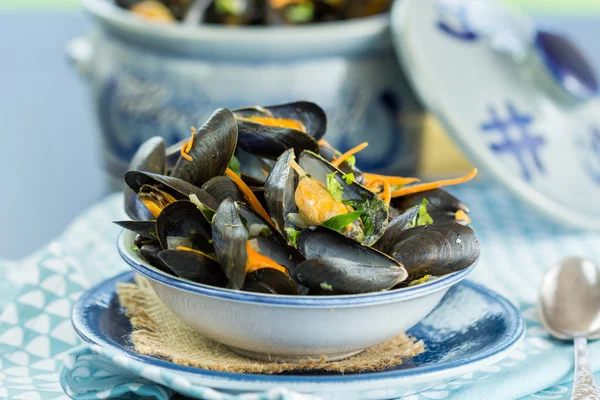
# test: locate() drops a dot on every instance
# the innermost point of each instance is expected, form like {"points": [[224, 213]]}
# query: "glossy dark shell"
{"points": [[229, 240], [437, 249], [272, 281], [212, 149], [270, 141], [149, 157], [324, 243], [221, 188], [279, 191], [341, 276], [146, 229], [194, 266], [283, 255], [182, 224], [439, 200], [150, 253], [328, 153], [177, 188], [395, 228]]}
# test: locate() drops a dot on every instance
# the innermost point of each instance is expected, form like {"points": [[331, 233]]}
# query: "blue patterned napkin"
{"points": [[36, 337]]}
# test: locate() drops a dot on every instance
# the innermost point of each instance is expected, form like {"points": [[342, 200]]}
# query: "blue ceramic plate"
{"points": [[471, 328]]}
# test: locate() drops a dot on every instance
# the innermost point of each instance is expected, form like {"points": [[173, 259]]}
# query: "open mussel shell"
{"points": [[149, 157], [272, 281], [279, 191], [396, 226], [322, 242], [221, 188], [147, 229], [253, 167], [341, 276], [179, 189], [437, 249], [211, 151], [375, 209], [282, 254], [266, 140], [229, 240], [194, 266], [181, 223]]}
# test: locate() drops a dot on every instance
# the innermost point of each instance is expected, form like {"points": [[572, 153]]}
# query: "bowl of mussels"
{"points": [[259, 234]]}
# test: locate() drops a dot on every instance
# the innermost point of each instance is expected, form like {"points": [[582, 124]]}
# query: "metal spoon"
{"points": [[569, 308]]}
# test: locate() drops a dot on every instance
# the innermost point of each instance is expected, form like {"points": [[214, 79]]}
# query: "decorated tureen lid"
{"points": [[521, 102]]}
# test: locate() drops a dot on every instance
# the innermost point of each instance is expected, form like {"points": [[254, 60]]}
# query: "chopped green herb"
{"points": [[292, 235], [335, 189], [235, 166], [209, 214], [370, 209], [396, 187], [229, 7], [422, 217], [339, 222], [351, 161], [349, 178], [134, 248], [420, 281], [326, 286], [210, 241], [300, 12]]}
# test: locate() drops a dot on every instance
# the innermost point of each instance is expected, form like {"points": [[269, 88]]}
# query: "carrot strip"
{"points": [[258, 261], [336, 163], [276, 122], [187, 146], [248, 195], [386, 195], [434, 185], [185, 248], [392, 180]]}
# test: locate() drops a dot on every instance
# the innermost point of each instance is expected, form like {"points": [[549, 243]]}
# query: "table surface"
{"points": [[49, 158]]}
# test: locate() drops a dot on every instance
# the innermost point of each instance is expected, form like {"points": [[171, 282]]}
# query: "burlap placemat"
{"points": [[157, 331]]}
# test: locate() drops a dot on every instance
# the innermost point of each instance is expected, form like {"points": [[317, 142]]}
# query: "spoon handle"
{"points": [[584, 387]]}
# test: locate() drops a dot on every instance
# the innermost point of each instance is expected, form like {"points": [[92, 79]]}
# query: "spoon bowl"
{"points": [[569, 304]]}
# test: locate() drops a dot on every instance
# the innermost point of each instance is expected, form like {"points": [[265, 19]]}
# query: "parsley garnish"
{"points": [[292, 235], [235, 166], [420, 281], [349, 178], [335, 189], [326, 286], [422, 217]]}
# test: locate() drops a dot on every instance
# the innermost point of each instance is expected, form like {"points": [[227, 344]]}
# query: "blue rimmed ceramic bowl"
{"points": [[291, 328]]}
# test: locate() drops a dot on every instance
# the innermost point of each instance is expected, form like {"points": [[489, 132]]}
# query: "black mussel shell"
{"points": [[147, 229], [150, 252], [211, 151], [270, 141], [268, 280], [179, 189], [395, 228], [342, 276], [150, 157], [282, 254], [194, 266], [229, 240], [279, 191], [221, 188], [437, 249], [181, 223], [375, 209], [325, 243], [252, 167], [439, 200]]}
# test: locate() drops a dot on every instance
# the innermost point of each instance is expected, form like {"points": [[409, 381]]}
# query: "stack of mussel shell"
{"points": [[254, 12], [256, 200]]}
